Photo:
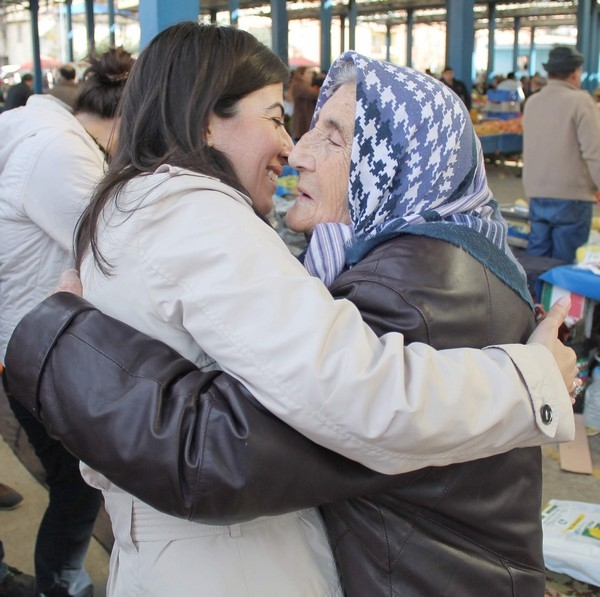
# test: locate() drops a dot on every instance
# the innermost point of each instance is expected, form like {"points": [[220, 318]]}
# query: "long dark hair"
{"points": [[188, 72]]}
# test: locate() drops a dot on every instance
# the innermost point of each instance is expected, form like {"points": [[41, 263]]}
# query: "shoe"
{"points": [[9, 498], [17, 584]]}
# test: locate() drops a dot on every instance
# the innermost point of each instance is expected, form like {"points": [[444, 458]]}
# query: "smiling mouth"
{"points": [[272, 176]]}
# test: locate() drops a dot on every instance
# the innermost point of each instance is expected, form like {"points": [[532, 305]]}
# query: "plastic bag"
{"points": [[572, 539]]}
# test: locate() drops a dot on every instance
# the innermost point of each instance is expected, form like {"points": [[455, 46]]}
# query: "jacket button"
{"points": [[546, 412]]}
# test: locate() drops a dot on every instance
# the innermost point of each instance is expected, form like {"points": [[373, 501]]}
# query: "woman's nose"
{"points": [[286, 142]]}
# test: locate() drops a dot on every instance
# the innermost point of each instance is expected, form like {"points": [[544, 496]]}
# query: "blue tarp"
{"points": [[576, 280], [502, 143]]}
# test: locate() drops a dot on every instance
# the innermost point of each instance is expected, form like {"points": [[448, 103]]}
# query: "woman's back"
{"points": [[464, 526]]}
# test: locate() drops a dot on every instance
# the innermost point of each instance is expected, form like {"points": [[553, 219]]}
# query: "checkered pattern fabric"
{"points": [[416, 167], [415, 156]]}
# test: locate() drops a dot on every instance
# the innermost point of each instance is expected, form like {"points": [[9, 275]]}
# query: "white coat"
{"points": [[42, 143]]}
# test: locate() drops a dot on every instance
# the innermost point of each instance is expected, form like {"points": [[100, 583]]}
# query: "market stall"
{"points": [[498, 123], [500, 137]]}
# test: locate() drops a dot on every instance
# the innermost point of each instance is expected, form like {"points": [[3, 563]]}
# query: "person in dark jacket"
{"points": [[18, 94], [457, 86], [425, 255], [304, 96]]}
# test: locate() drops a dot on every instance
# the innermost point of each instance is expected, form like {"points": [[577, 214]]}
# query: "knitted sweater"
{"points": [[561, 143]]}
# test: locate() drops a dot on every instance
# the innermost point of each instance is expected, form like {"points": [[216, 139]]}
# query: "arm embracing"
{"points": [[133, 409], [302, 354]]}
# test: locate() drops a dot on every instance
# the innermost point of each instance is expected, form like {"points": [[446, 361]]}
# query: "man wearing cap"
{"points": [[561, 159]]}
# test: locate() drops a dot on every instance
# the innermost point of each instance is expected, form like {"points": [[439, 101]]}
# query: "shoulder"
{"points": [[198, 211], [400, 255], [170, 182]]}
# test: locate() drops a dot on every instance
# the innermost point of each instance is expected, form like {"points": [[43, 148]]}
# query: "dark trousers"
{"points": [[558, 227], [65, 532]]}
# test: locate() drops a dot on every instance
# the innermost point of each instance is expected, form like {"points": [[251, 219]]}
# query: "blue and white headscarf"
{"points": [[416, 168]]}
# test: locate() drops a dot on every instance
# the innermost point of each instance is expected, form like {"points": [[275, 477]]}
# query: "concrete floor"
{"points": [[18, 527]]}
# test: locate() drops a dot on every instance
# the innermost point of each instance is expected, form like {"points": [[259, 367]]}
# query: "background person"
{"points": [[561, 159], [50, 160], [13, 582], [18, 94], [512, 84], [304, 97], [66, 87], [457, 86]]}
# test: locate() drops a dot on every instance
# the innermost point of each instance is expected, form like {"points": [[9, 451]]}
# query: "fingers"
{"points": [[558, 312]]}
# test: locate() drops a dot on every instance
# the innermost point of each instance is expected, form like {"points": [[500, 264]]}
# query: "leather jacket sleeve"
{"points": [[190, 443]]}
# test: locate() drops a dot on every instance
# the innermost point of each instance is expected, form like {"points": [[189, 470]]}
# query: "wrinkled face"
{"points": [[256, 142], [322, 157]]}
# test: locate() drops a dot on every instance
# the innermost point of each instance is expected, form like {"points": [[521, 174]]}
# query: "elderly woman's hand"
{"points": [[69, 281], [546, 333]]}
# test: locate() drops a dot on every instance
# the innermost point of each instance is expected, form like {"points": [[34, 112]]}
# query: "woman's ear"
{"points": [[210, 131]]}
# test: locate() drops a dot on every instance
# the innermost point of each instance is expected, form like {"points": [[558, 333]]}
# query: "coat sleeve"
{"points": [[135, 410], [302, 353]]}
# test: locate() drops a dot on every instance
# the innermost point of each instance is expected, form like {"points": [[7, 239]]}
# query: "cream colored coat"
{"points": [[196, 268], [49, 165]]}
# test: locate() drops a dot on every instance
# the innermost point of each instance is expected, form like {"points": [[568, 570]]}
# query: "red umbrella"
{"points": [[296, 61], [47, 62]]}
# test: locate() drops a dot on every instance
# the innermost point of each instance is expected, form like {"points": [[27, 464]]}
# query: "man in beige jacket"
{"points": [[561, 159]]}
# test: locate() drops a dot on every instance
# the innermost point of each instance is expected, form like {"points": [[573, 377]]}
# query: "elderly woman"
{"points": [[415, 241]]}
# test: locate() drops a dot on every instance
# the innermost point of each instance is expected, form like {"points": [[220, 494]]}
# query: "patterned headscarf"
{"points": [[416, 167]]}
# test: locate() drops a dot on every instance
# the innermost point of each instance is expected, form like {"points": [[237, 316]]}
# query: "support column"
{"points": [[460, 39], [69, 15], [584, 43], [35, 37], [111, 22], [234, 12], [90, 27], [279, 29], [491, 41], [156, 15], [326, 34], [595, 47], [410, 23], [532, 58], [342, 33], [517, 28], [388, 41], [352, 14]]}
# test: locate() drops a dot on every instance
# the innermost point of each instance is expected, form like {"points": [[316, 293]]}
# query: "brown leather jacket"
{"points": [[124, 403]]}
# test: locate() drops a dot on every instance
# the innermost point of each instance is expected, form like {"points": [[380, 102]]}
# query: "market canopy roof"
{"points": [[535, 13]]}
